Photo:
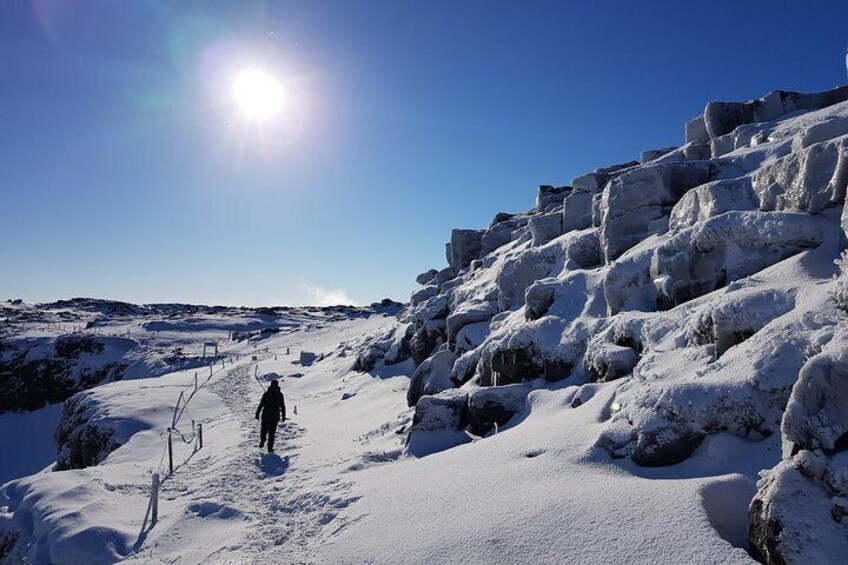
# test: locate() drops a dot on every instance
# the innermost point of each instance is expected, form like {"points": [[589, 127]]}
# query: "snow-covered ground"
{"points": [[340, 490], [226, 502]]}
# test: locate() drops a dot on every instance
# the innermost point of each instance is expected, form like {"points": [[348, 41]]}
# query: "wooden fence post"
{"points": [[154, 500], [170, 453]]}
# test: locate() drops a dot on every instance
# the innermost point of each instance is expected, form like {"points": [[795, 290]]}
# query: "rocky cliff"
{"points": [[699, 281]]}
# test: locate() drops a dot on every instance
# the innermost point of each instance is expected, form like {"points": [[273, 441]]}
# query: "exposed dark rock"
{"points": [[367, 360], [666, 446], [494, 405], [464, 247], [80, 442], [71, 346], [724, 117], [764, 532], [30, 385], [548, 196], [515, 365], [426, 340]]}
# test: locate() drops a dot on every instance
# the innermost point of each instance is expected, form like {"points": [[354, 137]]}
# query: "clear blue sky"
{"points": [[125, 174]]}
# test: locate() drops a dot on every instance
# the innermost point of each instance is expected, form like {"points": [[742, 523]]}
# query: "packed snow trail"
{"points": [[285, 508], [277, 507]]}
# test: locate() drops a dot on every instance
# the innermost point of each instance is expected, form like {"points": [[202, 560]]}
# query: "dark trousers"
{"points": [[268, 430]]}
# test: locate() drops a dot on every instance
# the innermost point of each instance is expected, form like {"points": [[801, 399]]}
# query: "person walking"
{"points": [[272, 408]]}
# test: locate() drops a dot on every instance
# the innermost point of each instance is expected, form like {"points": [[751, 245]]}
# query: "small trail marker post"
{"points": [[200, 434], [170, 453], [195, 381], [154, 500]]}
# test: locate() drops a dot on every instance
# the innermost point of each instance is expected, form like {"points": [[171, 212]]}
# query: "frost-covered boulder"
{"points": [[438, 422], [712, 199], [652, 154], [445, 275], [666, 445], [628, 284], [469, 313], [447, 410], [817, 414], [610, 361], [390, 347], [595, 181], [800, 512], [577, 211], [423, 294], [494, 406], [725, 248], [808, 180], [501, 232], [735, 318], [545, 227], [696, 131], [471, 336], [549, 196], [435, 308], [575, 250], [637, 203], [464, 247], [432, 376], [721, 118], [520, 359], [426, 276], [398, 350], [660, 442]]}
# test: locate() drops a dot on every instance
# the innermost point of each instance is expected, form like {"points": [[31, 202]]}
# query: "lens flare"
{"points": [[258, 95]]}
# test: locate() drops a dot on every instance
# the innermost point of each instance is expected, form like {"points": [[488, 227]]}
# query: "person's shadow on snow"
{"points": [[273, 465]]}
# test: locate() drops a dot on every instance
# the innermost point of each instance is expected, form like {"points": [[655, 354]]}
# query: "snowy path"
{"points": [[277, 507]]}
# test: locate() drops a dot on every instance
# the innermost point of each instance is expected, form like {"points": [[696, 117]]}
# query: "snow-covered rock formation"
{"points": [[701, 280]]}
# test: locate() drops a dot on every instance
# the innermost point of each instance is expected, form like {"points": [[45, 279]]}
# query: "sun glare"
{"points": [[257, 94]]}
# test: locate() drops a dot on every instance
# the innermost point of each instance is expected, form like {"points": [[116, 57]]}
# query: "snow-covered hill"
{"points": [[648, 367]]}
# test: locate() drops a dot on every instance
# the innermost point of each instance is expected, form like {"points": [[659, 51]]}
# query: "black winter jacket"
{"points": [[272, 406]]}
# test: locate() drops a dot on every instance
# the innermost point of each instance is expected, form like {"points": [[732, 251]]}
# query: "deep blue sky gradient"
{"points": [[124, 173]]}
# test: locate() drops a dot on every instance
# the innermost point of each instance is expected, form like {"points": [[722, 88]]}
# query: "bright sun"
{"points": [[257, 94]]}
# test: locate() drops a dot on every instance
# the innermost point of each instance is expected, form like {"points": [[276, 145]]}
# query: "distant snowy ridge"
{"points": [[50, 351], [701, 280]]}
